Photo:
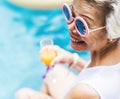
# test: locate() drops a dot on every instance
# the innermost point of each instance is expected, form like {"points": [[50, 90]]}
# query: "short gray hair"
{"points": [[113, 21], [112, 18]]}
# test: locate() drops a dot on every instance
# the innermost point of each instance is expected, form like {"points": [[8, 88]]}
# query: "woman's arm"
{"points": [[27, 93], [82, 91]]}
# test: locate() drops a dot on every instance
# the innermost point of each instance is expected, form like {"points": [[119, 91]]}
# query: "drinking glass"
{"points": [[48, 54]]}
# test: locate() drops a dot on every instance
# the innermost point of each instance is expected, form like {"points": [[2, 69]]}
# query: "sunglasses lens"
{"points": [[80, 26], [66, 13]]}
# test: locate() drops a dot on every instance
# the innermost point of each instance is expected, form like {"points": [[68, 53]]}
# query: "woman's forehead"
{"points": [[83, 7], [83, 3], [89, 6]]}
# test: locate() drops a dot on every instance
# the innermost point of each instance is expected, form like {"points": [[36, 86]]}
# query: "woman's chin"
{"points": [[78, 47]]}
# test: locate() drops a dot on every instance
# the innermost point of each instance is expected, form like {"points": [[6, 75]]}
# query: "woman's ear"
{"points": [[112, 41]]}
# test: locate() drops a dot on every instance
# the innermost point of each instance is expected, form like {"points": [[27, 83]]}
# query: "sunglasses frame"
{"points": [[78, 18], [75, 20], [69, 11], [86, 31]]}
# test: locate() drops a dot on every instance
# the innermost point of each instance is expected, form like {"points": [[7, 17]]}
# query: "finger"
{"points": [[58, 59]]}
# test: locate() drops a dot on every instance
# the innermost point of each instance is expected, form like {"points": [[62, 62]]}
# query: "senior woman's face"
{"points": [[95, 40]]}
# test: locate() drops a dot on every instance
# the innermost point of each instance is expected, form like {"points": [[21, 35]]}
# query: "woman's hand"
{"points": [[63, 56]]}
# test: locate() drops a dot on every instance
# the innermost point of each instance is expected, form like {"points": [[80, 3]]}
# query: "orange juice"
{"points": [[47, 56]]}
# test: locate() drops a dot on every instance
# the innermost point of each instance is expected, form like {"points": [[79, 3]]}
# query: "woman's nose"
{"points": [[71, 27]]}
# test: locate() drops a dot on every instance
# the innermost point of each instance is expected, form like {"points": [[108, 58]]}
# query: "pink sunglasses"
{"points": [[80, 24]]}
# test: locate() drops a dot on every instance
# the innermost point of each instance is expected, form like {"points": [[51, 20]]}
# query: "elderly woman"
{"points": [[95, 26]]}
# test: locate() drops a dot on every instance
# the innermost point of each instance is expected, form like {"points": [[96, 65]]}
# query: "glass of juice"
{"points": [[48, 54]]}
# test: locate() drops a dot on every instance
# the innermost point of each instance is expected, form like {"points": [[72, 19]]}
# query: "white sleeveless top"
{"points": [[105, 80]]}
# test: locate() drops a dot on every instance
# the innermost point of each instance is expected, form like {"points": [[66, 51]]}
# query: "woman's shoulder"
{"points": [[102, 79], [94, 82], [82, 91], [40, 4]]}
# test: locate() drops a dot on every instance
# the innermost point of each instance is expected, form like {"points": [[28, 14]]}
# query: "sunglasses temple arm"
{"points": [[97, 29]]}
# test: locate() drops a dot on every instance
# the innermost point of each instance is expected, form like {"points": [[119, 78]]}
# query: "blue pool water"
{"points": [[20, 32]]}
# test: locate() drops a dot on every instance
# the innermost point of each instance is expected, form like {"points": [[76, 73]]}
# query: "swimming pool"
{"points": [[20, 32]]}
